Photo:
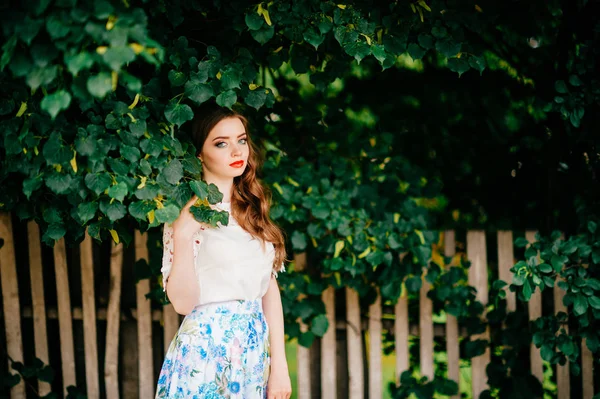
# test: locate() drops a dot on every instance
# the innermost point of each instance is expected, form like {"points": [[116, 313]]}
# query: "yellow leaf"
{"points": [[364, 253], [421, 237], [349, 238], [372, 141], [252, 86], [292, 182], [380, 36], [24, 150], [135, 101], [74, 162], [151, 216], [478, 9], [58, 168], [403, 290], [368, 38], [338, 278], [111, 22], [342, 6], [396, 217], [353, 259], [136, 47], [455, 215], [278, 188], [143, 183], [278, 49], [412, 7], [314, 242], [22, 109], [36, 151], [266, 16], [219, 75], [115, 80], [420, 14], [101, 49], [338, 248], [115, 236], [309, 190], [152, 50], [424, 5]]}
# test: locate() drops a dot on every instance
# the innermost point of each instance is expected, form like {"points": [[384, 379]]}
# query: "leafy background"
{"points": [[381, 124]]}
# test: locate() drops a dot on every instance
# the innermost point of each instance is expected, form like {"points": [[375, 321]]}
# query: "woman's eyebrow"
{"points": [[227, 137]]}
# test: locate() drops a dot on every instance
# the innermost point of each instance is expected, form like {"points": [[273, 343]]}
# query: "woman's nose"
{"points": [[235, 150]]}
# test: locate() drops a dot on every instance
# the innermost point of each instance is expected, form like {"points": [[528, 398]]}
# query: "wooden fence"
{"points": [[131, 372]]}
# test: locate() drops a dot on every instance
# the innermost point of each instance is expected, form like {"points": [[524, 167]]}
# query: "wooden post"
{"points": [[506, 261], [65, 318], [113, 313], [37, 300], [302, 353], [328, 348], [375, 365], [478, 278], [535, 311], [401, 330], [562, 372], [452, 346], [356, 386], [426, 331], [10, 299], [89, 318], [144, 324], [171, 325], [587, 370]]}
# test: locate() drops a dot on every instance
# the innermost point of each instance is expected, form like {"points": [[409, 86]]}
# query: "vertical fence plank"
{"points": [[113, 316], [562, 372], [171, 324], [89, 318], [478, 278], [356, 386], [38, 301], [144, 324], [302, 353], [10, 299], [328, 348], [505, 263], [401, 327], [452, 346], [65, 318], [587, 370], [535, 311], [375, 366], [426, 331]]}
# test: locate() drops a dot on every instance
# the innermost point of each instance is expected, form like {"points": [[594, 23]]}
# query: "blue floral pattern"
{"points": [[221, 351]]}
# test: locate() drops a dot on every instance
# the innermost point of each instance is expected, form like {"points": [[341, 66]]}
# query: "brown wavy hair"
{"points": [[250, 199]]}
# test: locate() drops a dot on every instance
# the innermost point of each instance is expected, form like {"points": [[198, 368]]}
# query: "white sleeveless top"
{"points": [[230, 263]]}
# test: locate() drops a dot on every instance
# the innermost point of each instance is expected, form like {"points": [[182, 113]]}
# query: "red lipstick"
{"points": [[237, 164]]}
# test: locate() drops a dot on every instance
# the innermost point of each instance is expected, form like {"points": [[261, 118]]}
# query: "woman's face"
{"points": [[225, 151]]}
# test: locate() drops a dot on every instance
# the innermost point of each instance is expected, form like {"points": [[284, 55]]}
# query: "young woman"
{"points": [[231, 342]]}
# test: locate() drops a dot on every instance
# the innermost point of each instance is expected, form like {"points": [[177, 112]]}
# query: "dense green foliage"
{"points": [[380, 124]]}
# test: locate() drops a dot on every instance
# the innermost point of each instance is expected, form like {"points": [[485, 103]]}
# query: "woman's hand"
{"points": [[186, 225], [279, 386]]}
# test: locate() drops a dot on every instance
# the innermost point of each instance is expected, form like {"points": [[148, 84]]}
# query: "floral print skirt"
{"points": [[220, 351]]}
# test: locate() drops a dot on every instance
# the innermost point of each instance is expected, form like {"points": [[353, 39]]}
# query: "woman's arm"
{"points": [[182, 285], [279, 386]]}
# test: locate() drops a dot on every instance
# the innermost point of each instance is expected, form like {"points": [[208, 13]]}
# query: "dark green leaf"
{"points": [[575, 81], [227, 98], [113, 209], [448, 47], [173, 172], [313, 37], [100, 85], [118, 191], [97, 182], [254, 21], [263, 34], [86, 211], [298, 241], [56, 102], [458, 65], [78, 62], [176, 78], [256, 98], [167, 214], [415, 51], [59, 183], [178, 114], [560, 86], [116, 57], [197, 91], [319, 325], [426, 41]]}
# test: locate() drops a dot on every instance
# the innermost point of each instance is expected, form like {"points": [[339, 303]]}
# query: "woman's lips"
{"points": [[237, 164]]}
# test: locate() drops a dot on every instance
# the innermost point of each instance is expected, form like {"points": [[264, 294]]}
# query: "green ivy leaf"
{"points": [[173, 172], [54, 232], [426, 41], [59, 183], [560, 87], [313, 37], [99, 85], [98, 182], [176, 78], [56, 102], [116, 57], [31, 184], [231, 77], [130, 153], [197, 91], [113, 209], [264, 34], [227, 98], [214, 195], [306, 339], [378, 52], [167, 214], [298, 241], [458, 65], [254, 21], [319, 325], [256, 98], [140, 209], [439, 32], [86, 211], [592, 226], [118, 191], [575, 81], [594, 302], [178, 114], [415, 51], [413, 284], [477, 63], [78, 62]]}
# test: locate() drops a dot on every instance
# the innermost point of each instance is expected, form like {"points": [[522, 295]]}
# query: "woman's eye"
{"points": [[221, 144], [243, 141]]}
